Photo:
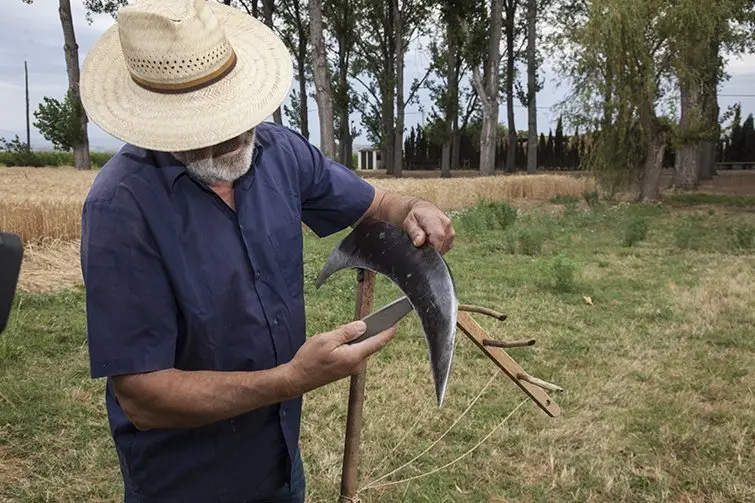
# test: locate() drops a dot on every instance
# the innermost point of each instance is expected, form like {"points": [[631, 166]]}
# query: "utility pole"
{"points": [[28, 128]]}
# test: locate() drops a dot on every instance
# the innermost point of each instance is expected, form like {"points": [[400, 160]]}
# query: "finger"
{"points": [[374, 344], [439, 235], [449, 236], [412, 227], [350, 331]]}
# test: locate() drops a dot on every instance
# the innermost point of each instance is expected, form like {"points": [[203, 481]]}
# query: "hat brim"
{"points": [[251, 92]]}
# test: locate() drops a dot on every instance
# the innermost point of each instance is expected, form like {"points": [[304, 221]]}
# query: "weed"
{"points": [[559, 273], [635, 231], [531, 240], [592, 199], [488, 216]]}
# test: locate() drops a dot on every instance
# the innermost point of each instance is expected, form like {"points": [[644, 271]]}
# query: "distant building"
{"points": [[369, 158]]}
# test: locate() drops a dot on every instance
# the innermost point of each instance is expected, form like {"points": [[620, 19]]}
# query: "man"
{"points": [[192, 255]]}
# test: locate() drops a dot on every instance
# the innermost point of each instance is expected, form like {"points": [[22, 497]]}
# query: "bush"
{"points": [[560, 273], [635, 230], [531, 241], [487, 216], [592, 199]]}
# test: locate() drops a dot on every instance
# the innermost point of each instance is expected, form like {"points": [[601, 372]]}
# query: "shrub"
{"points": [[592, 199], [531, 240], [560, 273], [635, 230], [487, 216]]}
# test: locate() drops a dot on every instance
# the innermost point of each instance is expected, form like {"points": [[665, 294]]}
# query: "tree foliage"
{"points": [[58, 122]]}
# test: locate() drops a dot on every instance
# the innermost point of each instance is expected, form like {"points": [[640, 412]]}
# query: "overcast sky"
{"points": [[32, 33]]}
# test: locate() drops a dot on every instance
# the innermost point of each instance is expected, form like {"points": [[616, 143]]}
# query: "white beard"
{"points": [[213, 171]]}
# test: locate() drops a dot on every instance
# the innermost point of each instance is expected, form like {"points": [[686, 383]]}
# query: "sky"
{"points": [[32, 33]]}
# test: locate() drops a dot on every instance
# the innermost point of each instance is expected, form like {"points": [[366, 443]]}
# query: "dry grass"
{"points": [[44, 204], [459, 193], [50, 267]]}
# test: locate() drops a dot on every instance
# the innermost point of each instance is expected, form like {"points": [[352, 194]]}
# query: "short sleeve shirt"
{"points": [[176, 279]]}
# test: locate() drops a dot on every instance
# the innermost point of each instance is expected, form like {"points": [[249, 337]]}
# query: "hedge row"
{"points": [[40, 159]]}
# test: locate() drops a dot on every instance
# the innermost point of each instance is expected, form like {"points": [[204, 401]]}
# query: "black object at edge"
{"points": [[11, 256]]}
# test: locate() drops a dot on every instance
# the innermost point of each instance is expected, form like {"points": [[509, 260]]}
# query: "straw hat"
{"points": [[176, 75]]}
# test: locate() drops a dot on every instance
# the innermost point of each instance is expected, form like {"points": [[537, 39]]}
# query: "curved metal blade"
{"points": [[422, 275]]}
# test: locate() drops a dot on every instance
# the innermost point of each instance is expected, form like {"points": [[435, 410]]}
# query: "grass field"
{"points": [[658, 369]]}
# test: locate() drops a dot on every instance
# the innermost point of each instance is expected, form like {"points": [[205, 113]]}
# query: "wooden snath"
{"points": [[533, 387]]}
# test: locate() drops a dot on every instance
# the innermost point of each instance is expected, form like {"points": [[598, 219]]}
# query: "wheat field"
{"points": [[44, 204]]}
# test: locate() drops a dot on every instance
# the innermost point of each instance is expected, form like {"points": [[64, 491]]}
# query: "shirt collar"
{"points": [[173, 169]]}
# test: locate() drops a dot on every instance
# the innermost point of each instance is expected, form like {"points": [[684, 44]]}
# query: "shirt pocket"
{"points": [[287, 242]]}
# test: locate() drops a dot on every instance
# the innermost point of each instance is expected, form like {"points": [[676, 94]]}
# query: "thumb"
{"points": [[412, 227], [351, 331]]}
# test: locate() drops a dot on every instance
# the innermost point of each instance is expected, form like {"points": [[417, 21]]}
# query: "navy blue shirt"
{"points": [[176, 279]]}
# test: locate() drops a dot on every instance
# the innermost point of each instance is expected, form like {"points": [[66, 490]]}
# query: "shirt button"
{"points": [[257, 275], [275, 321]]}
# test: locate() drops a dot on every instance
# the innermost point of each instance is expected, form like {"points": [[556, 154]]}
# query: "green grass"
{"points": [[659, 372], [699, 199]]}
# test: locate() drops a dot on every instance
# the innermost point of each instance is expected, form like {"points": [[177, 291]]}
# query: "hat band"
{"points": [[191, 85]]}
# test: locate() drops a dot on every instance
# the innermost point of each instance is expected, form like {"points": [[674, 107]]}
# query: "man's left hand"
{"points": [[425, 222]]}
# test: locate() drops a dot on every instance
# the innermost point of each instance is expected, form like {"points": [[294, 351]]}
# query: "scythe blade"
{"points": [[422, 275]]}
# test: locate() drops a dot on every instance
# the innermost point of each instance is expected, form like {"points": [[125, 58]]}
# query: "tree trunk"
{"points": [[711, 111], [302, 64], [71, 49], [303, 105], [688, 156], [323, 93], [456, 147], [510, 60], [488, 142], [389, 89], [268, 7], [452, 98], [532, 87], [398, 142], [388, 128], [651, 175], [487, 91]]}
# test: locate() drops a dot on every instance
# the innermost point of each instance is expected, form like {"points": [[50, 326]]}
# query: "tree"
{"points": [[512, 31], [387, 28], [295, 33], [58, 122], [486, 83], [341, 18], [71, 49], [449, 65], [532, 86], [323, 91], [559, 145], [617, 55]]}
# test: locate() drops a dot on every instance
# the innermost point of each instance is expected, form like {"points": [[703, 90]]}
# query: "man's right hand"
{"points": [[327, 357]]}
